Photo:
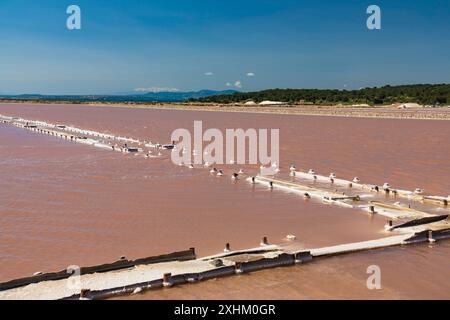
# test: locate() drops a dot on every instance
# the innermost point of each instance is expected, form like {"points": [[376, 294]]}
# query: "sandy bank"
{"points": [[382, 112]]}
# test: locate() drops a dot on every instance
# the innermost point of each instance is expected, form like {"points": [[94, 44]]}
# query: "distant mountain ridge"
{"points": [[138, 97], [183, 96]]}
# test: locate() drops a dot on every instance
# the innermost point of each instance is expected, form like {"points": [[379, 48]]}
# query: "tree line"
{"points": [[425, 94]]}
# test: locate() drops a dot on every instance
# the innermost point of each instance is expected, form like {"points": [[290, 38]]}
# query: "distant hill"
{"points": [[183, 96], [146, 97], [426, 94]]}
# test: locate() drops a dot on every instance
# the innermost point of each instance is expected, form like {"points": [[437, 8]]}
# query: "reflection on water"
{"points": [[64, 203]]}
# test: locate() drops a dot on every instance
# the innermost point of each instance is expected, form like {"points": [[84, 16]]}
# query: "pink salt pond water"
{"points": [[69, 204]]}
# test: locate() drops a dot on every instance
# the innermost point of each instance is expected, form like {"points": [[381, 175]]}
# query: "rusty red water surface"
{"points": [[63, 204]]}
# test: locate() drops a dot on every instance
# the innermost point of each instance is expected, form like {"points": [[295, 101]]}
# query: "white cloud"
{"points": [[156, 89], [250, 74], [209, 74], [237, 84]]}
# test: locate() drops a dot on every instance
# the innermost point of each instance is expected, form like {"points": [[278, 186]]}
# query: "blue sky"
{"points": [[129, 44]]}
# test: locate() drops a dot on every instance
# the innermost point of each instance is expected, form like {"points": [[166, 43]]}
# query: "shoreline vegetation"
{"points": [[430, 102], [423, 94]]}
